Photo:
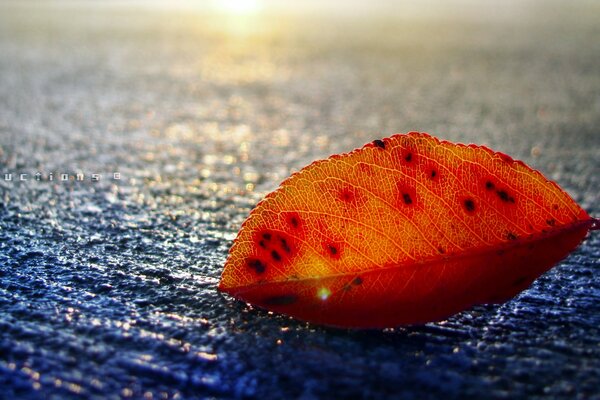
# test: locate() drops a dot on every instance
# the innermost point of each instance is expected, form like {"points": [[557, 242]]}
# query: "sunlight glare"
{"points": [[240, 6]]}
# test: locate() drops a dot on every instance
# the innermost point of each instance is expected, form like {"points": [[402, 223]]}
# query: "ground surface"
{"points": [[107, 289]]}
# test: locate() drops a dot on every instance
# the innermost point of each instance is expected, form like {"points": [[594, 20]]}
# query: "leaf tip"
{"points": [[595, 226]]}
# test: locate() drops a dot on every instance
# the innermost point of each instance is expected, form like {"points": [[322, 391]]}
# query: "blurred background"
{"points": [[108, 286]]}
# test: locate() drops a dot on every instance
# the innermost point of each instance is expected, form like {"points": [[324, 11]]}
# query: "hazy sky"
{"points": [[335, 6]]}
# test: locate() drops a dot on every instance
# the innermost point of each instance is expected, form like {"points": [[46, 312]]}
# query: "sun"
{"points": [[240, 6]]}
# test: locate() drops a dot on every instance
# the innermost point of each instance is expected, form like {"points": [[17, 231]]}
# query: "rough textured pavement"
{"points": [[108, 287]]}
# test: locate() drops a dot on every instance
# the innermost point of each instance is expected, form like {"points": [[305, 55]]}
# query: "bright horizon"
{"points": [[352, 7]]}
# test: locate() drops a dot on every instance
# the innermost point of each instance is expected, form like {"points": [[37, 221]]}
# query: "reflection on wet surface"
{"points": [[108, 288]]}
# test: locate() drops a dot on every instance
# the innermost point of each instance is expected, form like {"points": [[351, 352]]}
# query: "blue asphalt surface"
{"points": [[108, 286]]}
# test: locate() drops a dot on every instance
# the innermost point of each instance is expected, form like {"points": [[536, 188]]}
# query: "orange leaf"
{"points": [[405, 230]]}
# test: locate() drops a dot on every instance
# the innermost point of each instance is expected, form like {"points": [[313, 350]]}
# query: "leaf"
{"points": [[405, 230]]}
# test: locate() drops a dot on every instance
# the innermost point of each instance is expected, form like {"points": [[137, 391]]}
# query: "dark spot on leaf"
{"points": [[441, 250], [469, 205], [379, 143], [294, 222], [257, 265], [433, 173], [262, 244], [355, 282], [504, 196], [489, 185], [511, 236], [276, 256], [267, 236], [293, 219], [551, 222], [408, 157], [407, 199], [346, 195], [280, 300], [284, 245], [555, 206], [332, 249]]}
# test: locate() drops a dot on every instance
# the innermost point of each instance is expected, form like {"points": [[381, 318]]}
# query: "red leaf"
{"points": [[405, 230]]}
